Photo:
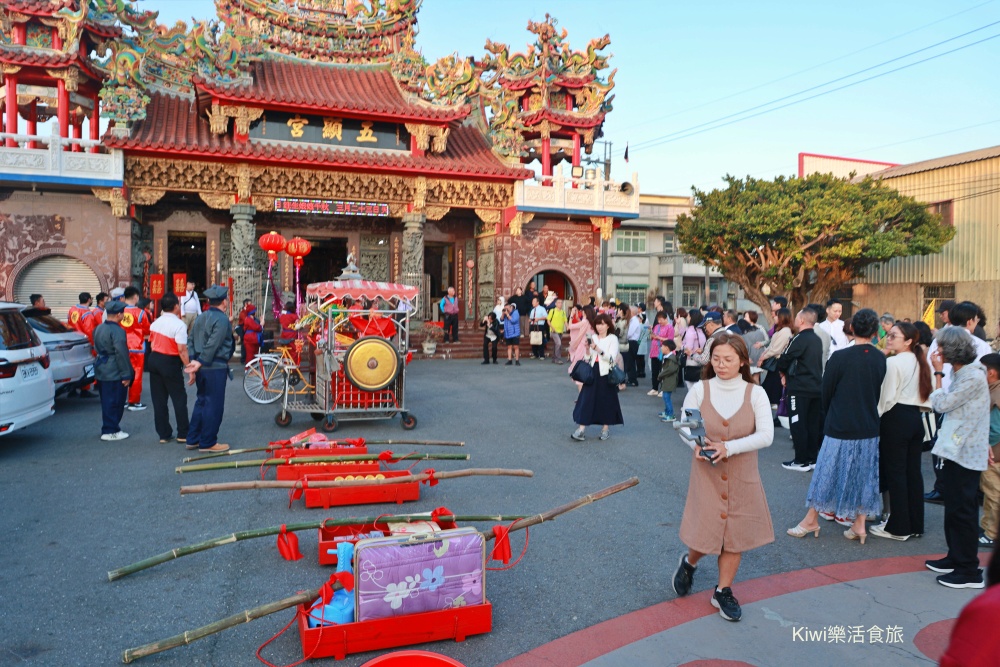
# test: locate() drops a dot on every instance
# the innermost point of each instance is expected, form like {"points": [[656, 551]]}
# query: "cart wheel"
{"points": [[283, 418], [330, 424], [408, 422], [316, 415]]}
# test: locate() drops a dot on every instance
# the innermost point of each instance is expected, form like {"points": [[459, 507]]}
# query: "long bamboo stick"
{"points": [[302, 444], [256, 463], [334, 484], [304, 598], [179, 552]]}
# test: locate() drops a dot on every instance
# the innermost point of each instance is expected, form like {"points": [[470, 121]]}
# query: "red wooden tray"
{"points": [[293, 471], [362, 495], [337, 641], [328, 539]]}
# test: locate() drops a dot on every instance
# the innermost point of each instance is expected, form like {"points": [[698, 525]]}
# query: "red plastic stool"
{"points": [[413, 659]]}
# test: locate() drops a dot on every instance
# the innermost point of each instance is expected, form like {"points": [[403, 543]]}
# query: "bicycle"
{"points": [[264, 376]]}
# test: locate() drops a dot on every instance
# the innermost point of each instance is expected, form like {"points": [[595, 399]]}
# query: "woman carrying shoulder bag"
{"points": [[694, 339], [598, 401]]}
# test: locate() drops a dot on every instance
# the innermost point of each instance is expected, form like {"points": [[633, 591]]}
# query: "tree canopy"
{"points": [[805, 237]]}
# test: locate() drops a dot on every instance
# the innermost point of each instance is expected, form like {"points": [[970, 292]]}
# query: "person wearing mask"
{"points": [[211, 349], [557, 327], [491, 336], [833, 325], [845, 483], [537, 321], [190, 306], [989, 481], [905, 394], [449, 308], [660, 333], [597, 402], [511, 321], [963, 451], [801, 365], [136, 323], [726, 512], [113, 371], [168, 356]]}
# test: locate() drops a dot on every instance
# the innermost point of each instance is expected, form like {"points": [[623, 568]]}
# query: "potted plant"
{"points": [[432, 336]]}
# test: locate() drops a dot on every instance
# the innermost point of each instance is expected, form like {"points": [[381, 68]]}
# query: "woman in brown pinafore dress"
{"points": [[726, 512]]}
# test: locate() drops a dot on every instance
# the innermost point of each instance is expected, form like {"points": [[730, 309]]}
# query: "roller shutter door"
{"points": [[58, 278]]}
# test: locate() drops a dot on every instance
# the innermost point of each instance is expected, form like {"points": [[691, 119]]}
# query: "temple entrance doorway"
{"points": [[439, 274], [186, 254], [326, 261], [558, 283]]}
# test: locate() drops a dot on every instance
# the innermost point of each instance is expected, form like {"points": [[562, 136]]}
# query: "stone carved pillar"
{"points": [[242, 267], [413, 257]]}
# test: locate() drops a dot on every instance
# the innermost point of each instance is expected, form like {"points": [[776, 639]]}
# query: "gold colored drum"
{"points": [[371, 363]]}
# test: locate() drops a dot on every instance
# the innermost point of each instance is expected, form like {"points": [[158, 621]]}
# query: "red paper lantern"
{"points": [[273, 243], [298, 247]]}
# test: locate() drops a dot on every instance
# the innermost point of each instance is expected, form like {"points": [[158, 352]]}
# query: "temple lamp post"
{"points": [[298, 248], [272, 243]]}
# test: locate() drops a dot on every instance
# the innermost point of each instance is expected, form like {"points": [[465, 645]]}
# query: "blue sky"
{"points": [[676, 60]]}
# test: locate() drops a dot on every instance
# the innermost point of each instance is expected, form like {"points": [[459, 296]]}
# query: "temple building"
{"points": [[317, 119]]}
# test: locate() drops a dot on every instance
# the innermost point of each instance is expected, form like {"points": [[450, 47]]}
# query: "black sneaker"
{"points": [[955, 580], [799, 466], [683, 577], [135, 407], [509, 363], [517, 363], [933, 497], [494, 361], [485, 363], [985, 542], [727, 605], [942, 565]]}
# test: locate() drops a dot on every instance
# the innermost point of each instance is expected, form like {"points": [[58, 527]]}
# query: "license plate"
{"points": [[28, 371], [88, 370]]}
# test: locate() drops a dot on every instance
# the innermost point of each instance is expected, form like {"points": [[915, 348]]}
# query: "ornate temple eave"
{"points": [[530, 80], [566, 120]]}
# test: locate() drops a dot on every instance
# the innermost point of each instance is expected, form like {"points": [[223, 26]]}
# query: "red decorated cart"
{"points": [[361, 333]]}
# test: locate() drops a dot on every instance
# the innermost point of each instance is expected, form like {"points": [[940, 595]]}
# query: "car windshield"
{"points": [[48, 324], [14, 331]]}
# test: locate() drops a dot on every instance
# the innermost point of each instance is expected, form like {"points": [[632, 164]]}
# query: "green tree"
{"points": [[805, 237]]}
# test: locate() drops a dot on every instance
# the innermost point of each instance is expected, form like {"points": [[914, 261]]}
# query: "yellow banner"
{"points": [[928, 317]]}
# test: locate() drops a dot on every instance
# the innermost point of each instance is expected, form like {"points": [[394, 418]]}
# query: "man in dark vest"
{"points": [[449, 306], [212, 347]]}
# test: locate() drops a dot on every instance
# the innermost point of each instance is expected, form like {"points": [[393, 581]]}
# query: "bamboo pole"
{"points": [[304, 444], [179, 552], [297, 460], [305, 598], [334, 484]]}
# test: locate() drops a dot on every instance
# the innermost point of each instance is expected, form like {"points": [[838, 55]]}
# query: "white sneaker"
{"points": [[651, 392], [120, 435], [135, 407], [660, 394]]}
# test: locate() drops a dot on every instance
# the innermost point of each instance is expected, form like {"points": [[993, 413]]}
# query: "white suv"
{"points": [[27, 393], [70, 352]]}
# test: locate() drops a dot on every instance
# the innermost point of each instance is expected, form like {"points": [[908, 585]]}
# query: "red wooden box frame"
{"points": [[362, 495], [292, 452], [293, 471], [327, 541], [337, 641]]}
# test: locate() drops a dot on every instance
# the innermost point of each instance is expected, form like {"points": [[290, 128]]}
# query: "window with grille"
{"points": [[630, 241], [945, 210], [933, 296], [669, 243], [632, 294]]}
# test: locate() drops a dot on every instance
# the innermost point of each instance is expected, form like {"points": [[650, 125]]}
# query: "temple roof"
{"points": [[43, 7], [371, 91], [21, 55], [174, 126]]}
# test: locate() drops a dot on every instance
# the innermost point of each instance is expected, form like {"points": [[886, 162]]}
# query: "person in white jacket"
{"points": [[834, 326]]}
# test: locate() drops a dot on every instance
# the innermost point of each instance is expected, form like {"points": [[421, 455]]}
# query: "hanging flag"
{"points": [[626, 152], [928, 316]]}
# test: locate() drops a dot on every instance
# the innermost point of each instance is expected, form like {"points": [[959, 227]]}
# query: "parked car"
{"points": [[27, 393], [70, 352]]}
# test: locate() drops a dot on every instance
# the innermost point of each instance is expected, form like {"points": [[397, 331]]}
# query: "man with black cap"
{"points": [[113, 370], [211, 349]]}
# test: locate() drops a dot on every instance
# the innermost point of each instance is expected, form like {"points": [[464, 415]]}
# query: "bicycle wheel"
{"points": [[264, 382]]}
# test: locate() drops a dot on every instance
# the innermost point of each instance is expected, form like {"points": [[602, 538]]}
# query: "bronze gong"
{"points": [[371, 363]]}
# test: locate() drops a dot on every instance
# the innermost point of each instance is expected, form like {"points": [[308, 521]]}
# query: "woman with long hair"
{"points": [[779, 341], [845, 481], [680, 326], [579, 333], [906, 391], [694, 339], [726, 510], [598, 401], [753, 335]]}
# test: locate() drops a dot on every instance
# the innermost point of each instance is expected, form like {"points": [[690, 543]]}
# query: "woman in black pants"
{"points": [[491, 336], [906, 391]]}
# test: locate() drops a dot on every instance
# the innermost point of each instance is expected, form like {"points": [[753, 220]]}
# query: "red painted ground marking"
{"points": [[932, 640], [590, 643], [717, 663]]}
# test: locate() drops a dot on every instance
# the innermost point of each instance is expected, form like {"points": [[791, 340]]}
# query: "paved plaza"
{"points": [[593, 588]]}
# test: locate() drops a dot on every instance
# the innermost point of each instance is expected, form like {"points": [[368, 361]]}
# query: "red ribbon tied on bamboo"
{"points": [[501, 545], [431, 479], [386, 457], [354, 442], [446, 524], [346, 580], [298, 490], [288, 544]]}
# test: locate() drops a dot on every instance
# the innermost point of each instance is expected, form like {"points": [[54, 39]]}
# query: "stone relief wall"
{"points": [[374, 260]]}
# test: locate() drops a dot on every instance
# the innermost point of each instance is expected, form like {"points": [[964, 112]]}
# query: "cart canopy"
{"points": [[361, 289]]}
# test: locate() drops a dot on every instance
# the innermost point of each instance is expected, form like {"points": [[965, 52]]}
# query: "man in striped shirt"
{"points": [[168, 337]]}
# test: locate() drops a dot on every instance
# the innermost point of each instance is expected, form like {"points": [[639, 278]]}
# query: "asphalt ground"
{"points": [[76, 507]]}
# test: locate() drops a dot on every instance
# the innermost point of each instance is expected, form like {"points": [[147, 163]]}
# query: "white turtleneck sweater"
{"points": [[727, 398]]}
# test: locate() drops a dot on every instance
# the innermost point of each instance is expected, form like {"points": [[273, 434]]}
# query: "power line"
{"points": [[808, 69], [927, 136], [671, 138]]}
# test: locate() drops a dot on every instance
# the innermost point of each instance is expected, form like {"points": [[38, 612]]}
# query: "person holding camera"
{"points": [[491, 336], [726, 511], [511, 320], [598, 400]]}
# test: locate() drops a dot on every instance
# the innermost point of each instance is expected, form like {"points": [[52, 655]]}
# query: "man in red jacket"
{"points": [[81, 318], [136, 323]]}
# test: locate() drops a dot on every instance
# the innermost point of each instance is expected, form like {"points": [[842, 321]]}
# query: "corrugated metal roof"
{"points": [[938, 163]]}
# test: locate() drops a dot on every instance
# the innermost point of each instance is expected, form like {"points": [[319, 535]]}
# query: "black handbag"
{"points": [[692, 373], [582, 372], [770, 365], [682, 358], [616, 376]]}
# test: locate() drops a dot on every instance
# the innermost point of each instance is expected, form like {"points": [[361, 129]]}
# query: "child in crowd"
{"points": [[669, 374]]}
